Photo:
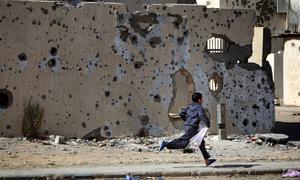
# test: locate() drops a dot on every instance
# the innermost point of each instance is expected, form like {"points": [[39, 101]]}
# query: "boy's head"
{"points": [[197, 97]]}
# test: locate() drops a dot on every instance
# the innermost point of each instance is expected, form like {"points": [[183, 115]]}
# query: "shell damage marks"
{"points": [[52, 62], [266, 10], [91, 64], [124, 73], [138, 31], [22, 61]]}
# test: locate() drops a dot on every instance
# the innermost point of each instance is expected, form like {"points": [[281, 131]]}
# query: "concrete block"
{"points": [[59, 139]]}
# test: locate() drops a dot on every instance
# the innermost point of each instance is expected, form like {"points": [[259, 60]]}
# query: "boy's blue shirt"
{"points": [[193, 114]]}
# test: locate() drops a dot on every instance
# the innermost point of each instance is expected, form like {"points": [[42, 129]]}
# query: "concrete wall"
{"points": [[291, 77], [98, 66], [261, 45], [294, 16], [276, 62], [266, 12], [209, 3]]}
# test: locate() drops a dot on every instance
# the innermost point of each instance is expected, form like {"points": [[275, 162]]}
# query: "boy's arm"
{"points": [[203, 117], [182, 113]]}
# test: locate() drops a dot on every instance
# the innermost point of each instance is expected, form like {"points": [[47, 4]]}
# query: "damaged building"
{"points": [[101, 68]]}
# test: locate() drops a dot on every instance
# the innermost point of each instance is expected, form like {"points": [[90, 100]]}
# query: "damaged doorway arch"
{"points": [[183, 89]]}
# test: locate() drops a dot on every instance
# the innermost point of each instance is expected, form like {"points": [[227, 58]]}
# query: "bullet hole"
{"points": [[53, 51], [118, 123], [108, 133], [138, 65], [51, 63], [144, 120], [215, 84], [156, 98], [124, 34], [8, 5], [115, 79], [244, 2], [8, 126], [178, 20], [154, 41], [179, 40], [97, 105], [255, 107], [6, 98], [44, 11], [254, 124], [206, 15], [22, 57], [83, 124], [46, 132], [70, 95], [258, 86], [143, 132], [129, 113], [105, 128], [245, 122], [107, 93], [133, 39], [43, 96], [233, 124]]}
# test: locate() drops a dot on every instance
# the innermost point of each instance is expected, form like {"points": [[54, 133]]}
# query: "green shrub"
{"points": [[32, 120]]}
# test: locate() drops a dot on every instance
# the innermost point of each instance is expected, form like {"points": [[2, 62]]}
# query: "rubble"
{"points": [[59, 140], [273, 138]]}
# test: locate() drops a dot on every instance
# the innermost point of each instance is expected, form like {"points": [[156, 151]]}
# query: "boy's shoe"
{"points": [[162, 145], [210, 161]]}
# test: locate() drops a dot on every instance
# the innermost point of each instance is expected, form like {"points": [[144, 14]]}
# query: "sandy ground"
{"points": [[236, 177], [17, 153]]}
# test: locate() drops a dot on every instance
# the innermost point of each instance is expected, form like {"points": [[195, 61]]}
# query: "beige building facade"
{"points": [[100, 67]]}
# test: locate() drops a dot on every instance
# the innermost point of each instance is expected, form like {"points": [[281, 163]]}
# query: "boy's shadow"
{"points": [[235, 166]]}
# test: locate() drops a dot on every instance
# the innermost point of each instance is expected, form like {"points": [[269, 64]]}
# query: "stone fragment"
{"points": [[295, 144], [59, 139], [259, 142], [274, 138]]}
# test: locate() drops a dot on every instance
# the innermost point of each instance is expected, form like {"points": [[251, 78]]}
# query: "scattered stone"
{"points": [[46, 143], [274, 138], [52, 163], [51, 137], [247, 141], [102, 145], [258, 141], [59, 139], [295, 144]]}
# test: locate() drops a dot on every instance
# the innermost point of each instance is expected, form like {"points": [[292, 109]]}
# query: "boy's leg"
{"points": [[184, 140], [203, 150]]}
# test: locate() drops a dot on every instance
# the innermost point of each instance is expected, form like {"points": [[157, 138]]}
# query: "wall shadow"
{"points": [[288, 128]]}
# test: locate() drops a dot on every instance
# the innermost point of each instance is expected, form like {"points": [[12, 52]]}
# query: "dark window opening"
{"points": [[6, 98]]}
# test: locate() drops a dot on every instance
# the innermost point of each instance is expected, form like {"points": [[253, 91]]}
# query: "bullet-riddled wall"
{"points": [[291, 80], [98, 66]]}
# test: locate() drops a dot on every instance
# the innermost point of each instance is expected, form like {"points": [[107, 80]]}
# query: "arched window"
{"points": [[216, 45]]}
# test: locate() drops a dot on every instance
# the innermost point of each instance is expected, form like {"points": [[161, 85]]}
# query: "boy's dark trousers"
{"points": [[184, 140]]}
